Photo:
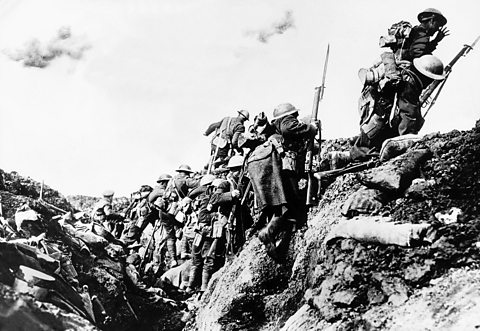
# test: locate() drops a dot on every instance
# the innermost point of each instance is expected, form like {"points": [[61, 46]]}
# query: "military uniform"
{"points": [[407, 118], [228, 131], [209, 242], [291, 137], [294, 134]]}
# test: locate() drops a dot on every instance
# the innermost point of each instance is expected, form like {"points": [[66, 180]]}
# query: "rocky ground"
{"points": [[111, 302], [334, 278], [352, 284]]}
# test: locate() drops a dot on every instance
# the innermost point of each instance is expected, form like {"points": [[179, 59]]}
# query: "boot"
{"points": [[268, 234], [194, 270], [172, 251], [205, 279]]}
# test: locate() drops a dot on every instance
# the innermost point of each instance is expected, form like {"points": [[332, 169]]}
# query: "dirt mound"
{"points": [[336, 285], [90, 289]]}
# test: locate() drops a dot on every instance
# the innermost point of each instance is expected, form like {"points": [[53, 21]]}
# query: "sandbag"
{"points": [[27, 215], [363, 201], [397, 175], [381, 231], [396, 146], [175, 275], [88, 237]]}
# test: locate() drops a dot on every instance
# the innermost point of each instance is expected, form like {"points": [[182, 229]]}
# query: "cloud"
{"points": [[36, 54], [264, 35]]}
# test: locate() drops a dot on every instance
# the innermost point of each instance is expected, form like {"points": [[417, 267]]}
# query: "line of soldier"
{"points": [[255, 178]]}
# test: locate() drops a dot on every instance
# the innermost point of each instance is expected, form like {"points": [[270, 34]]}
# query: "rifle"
{"points": [[425, 99], [330, 174], [231, 224], [148, 253], [214, 155], [311, 196]]}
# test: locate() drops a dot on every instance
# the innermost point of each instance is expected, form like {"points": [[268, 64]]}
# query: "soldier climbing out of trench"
{"points": [[209, 242], [225, 140], [396, 77], [276, 168]]}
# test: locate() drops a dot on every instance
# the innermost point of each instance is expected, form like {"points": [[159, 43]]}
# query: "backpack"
{"points": [[396, 36], [221, 139]]}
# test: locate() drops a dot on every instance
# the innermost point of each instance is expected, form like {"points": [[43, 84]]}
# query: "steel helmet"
{"points": [[432, 11], [245, 114], [221, 184], [164, 178], [207, 179], [235, 161], [429, 66], [184, 168], [283, 110], [108, 193]]}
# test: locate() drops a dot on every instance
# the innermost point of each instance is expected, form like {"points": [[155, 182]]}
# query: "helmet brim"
{"points": [[185, 170], [425, 72], [442, 19], [243, 115], [293, 111]]}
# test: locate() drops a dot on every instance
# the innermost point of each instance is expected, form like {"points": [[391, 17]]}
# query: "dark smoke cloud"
{"points": [[36, 54], [264, 35]]}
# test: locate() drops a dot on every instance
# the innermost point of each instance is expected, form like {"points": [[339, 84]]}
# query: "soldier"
{"points": [[418, 43], [282, 203], [104, 214], [165, 232], [407, 116], [209, 243], [227, 132], [105, 203], [192, 221], [241, 219], [141, 215], [406, 45], [163, 180], [182, 183]]}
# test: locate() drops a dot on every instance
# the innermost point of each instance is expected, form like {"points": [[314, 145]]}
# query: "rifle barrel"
{"points": [[424, 98]]}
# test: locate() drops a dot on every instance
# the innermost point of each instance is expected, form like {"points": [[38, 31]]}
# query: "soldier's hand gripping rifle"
{"points": [[425, 97], [312, 194]]}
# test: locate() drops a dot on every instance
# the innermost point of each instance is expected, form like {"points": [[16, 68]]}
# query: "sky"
{"points": [[126, 92]]}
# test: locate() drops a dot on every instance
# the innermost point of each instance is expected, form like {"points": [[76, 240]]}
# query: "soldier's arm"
{"points": [[238, 129], [420, 45], [294, 129], [212, 127], [218, 199], [196, 192]]}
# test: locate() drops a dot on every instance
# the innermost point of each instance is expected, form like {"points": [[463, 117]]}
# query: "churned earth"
{"points": [[357, 285], [342, 284]]}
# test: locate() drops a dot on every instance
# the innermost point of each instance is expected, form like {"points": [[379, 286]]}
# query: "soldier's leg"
{"points": [[408, 120], [208, 265], [197, 263], [172, 251], [184, 249], [268, 235]]}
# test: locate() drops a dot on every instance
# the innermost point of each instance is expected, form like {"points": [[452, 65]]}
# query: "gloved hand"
{"points": [[442, 33], [235, 193]]}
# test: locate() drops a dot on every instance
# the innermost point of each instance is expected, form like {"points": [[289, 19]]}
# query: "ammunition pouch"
{"points": [[218, 230], [198, 239]]}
